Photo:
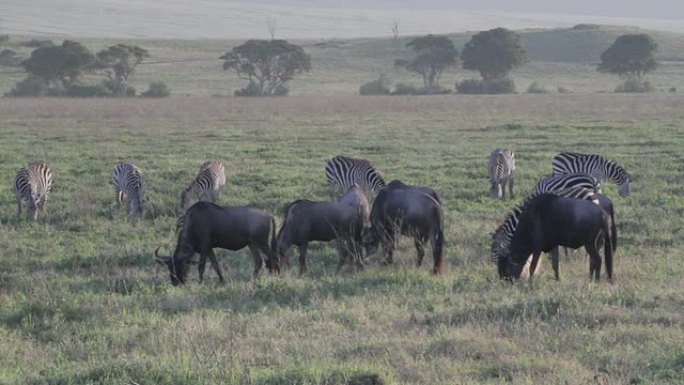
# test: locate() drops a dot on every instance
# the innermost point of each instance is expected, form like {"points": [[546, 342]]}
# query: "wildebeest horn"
{"points": [[159, 258]]}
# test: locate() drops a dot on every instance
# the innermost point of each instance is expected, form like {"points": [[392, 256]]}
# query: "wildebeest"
{"points": [[413, 211], [342, 220], [206, 226], [548, 221]]}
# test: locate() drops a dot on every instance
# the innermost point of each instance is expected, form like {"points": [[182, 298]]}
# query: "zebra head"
{"points": [[620, 176]]}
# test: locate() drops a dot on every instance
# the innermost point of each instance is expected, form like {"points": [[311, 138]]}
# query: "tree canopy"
{"points": [[267, 64], [493, 53], [630, 55], [118, 63], [61, 64], [434, 54]]}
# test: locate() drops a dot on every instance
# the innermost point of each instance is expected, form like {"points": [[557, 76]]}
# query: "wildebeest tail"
{"points": [[438, 252], [274, 239], [608, 248], [613, 229]]}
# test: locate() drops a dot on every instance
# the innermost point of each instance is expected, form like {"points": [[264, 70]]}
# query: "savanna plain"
{"points": [[82, 300]]}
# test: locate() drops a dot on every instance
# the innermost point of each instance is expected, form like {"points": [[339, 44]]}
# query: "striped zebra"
{"points": [[205, 187], [343, 173], [128, 185], [501, 172], [596, 165], [32, 185], [565, 181], [501, 238]]}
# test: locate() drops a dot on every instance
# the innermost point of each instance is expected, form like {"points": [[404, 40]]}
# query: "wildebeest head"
{"points": [[370, 240], [501, 254], [178, 267]]}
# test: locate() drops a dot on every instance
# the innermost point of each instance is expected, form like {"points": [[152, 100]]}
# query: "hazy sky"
{"points": [[660, 9]]}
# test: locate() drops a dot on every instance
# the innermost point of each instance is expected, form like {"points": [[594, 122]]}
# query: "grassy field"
{"points": [[564, 58], [82, 301]]}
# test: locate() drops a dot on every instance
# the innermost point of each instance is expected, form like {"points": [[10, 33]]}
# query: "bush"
{"points": [[536, 88], [475, 86], [501, 86], [29, 86], [469, 86], [252, 89], [90, 91], [404, 89], [672, 90], [9, 57], [34, 43], [563, 90], [633, 85], [156, 90], [375, 87]]}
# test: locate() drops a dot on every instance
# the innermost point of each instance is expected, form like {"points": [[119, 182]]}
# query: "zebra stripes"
{"points": [[205, 187], [128, 185], [501, 239], [501, 172], [345, 172], [596, 165], [565, 181], [32, 185]]}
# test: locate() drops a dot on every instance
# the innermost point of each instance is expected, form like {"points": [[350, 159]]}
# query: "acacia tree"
{"points": [[630, 56], [434, 54], [61, 64], [493, 53], [267, 64], [118, 63]]}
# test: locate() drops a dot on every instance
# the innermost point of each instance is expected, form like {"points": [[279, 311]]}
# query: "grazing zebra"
{"points": [[501, 172], [128, 185], [32, 185], [343, 173], [596, 165], [205, 187], [564, 181], [501, 238]]}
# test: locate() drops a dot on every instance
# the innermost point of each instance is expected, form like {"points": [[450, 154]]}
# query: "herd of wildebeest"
{"points": [[565, 209]]}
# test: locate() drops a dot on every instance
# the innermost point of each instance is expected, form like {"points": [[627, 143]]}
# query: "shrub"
{"points": [[672, 90], [404, 89], [563, 90], [252, 89], [90, 91], [9, 57], [475, 86], [536, 88], [633, 85], [156, 90], [4, 39], [375, 87], [29, 86], [34, 43]]}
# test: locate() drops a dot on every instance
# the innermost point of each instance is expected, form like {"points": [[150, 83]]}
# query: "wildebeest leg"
{"points": [[302, 257], [358, 254], [419, 250], [594, 262], [554, 262], [201, 265], [258, 261], [534, 262], [215, 265], [342, 248]]}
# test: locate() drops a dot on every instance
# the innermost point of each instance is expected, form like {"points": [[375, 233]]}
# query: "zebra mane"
{"points": [[505, 231]]}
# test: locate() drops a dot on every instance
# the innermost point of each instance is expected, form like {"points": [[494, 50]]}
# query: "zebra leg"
{"points": [[32, 210], [302, 257], [419, 250], [554, 262], [258, 260], [215, 265], [511, 182], [18, 206]]}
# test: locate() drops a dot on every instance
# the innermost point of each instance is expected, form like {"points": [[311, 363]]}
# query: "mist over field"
{"points": [[177, 19]]}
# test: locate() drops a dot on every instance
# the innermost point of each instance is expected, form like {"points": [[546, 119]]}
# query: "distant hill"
{"points": [[581, 43]]}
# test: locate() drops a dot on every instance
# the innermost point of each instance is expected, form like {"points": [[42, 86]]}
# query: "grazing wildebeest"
{"points": [[207, 225], [548, 221], [342, 220], [413, 211]]}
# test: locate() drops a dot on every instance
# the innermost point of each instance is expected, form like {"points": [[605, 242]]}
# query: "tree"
{"points": [[395, 29], [493, 53], [267, 64], [118, 63], [434, 55], [630, 56], [61, 64]]}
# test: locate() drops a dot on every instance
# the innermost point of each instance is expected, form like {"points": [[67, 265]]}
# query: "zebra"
{"points": [[128, 185], [501, 238], [564, 181], [596, 165], [343, 172], [32, 185], [501, 172], [205, 187]]}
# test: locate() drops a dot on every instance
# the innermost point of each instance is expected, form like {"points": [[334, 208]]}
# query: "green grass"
{"points": [[82, 301]]}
